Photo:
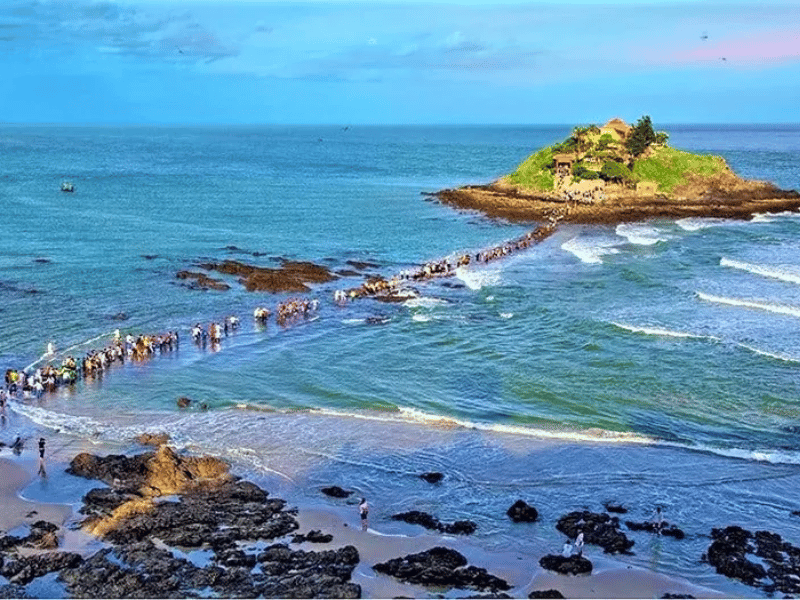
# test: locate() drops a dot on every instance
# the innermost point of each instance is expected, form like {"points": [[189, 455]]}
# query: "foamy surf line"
{"points": [[417, 417], [764, 271], [657, 331], [781, 309], [640, 235]]}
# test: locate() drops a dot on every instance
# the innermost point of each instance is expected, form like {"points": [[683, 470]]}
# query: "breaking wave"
{"points": [[590, 251], [641, 235], [783, 274], [781, 309], [658, 331]]}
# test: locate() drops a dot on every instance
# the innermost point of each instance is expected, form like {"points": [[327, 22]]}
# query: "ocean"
{"points": [[645, 364]]}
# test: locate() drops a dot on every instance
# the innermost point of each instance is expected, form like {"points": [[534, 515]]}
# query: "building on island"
{"points": [[618, 129]]}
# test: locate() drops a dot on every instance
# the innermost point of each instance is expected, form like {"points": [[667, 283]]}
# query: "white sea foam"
{"points": [[424, 302], [641, 235], [788, 274], [768, 354], [476, 279], [590, 251], [420, 318], [659, 331], [698, 223], [781, 309], [776, 457], [762, 218], [506, 315]]}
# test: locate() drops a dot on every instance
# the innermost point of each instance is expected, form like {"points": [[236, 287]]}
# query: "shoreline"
{"points": [[385, 540], [518, 206]]}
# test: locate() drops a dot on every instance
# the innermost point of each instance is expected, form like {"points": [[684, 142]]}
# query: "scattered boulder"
{"points": [[335, 491], [203, 281], [314, 536], [665, 529], [545, 594], [522, 512], [566, 565], [433, 477], [416, 517], [441, 567], [598, 528], [292, 276], [615, 508], [183, 402]]}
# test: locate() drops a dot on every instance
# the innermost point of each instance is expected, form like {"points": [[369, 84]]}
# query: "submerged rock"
{"points": [[522, 512], [545, 594], [335, 491], [433, 477], [665, 529], [416, 517], [443, 567]]}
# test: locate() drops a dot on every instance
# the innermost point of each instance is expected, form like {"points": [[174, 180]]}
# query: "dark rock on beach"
{"points": [[314, 536], [416, 517], [566, 565], [776, 567], [598, 528], [212, 511], [13, 591], [442, 567], [335, 491], [23, 569], [545, 594], [153, 439], [522, 512]]}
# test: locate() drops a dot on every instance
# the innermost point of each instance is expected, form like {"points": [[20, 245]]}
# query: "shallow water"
{"points": [[658, 361]]}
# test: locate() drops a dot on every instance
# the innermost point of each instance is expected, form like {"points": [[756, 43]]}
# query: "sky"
{"points": [[405, 62]]}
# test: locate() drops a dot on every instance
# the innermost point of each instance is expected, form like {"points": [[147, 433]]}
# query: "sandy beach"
{"points": [[14, 477]]}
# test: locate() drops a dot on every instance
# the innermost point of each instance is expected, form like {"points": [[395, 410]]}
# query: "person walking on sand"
{"points": [[363, 511]]}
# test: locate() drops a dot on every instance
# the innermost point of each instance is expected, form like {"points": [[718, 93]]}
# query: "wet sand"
{"points": [[14, 477]]}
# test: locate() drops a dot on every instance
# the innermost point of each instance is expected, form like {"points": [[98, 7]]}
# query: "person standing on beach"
{"points": [[579, 544], [363, 511], [566, 551]]}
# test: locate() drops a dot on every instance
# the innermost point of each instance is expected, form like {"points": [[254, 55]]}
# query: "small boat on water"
{"points": [[67, 186]]}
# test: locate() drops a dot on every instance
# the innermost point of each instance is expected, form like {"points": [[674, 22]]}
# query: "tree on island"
{"points": [[641, 136]]}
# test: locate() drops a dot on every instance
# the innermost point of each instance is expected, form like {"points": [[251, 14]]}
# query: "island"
{"points": [[620, 173]]}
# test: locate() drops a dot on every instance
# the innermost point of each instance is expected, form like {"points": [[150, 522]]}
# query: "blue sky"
{"points": [[152, 61]]}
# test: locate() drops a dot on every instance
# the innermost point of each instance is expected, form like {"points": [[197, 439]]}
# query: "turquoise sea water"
{"points": [[661, 358]]}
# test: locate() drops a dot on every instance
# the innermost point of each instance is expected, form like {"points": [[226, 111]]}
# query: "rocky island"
{"points": [[620, 173]]}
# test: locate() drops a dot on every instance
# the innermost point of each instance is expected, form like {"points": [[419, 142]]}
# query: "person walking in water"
{"points": [[579, 544], [658, 520], [363, 511], [41, 457]]}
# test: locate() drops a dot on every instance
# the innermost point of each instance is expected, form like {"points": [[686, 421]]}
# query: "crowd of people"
{"points": [[47, 378], [214, 332], [445, 267]]}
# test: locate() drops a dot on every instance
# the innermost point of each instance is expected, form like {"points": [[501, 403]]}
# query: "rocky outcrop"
{"points": [[776, 568], [42, 536], [292, 276], [314, 536], [21, 570], [416, 517], [441, 567], [522, 512], [566, 565], [153, 439], [598, 528], [228, 518]]}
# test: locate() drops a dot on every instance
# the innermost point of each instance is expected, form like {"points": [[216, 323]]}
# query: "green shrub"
{"points": [[535, 172], [668, 167], [580, 171], [617, 172]]}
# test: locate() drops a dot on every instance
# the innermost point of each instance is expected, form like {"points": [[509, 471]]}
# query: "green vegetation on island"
{"points": [[635, 158]]}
